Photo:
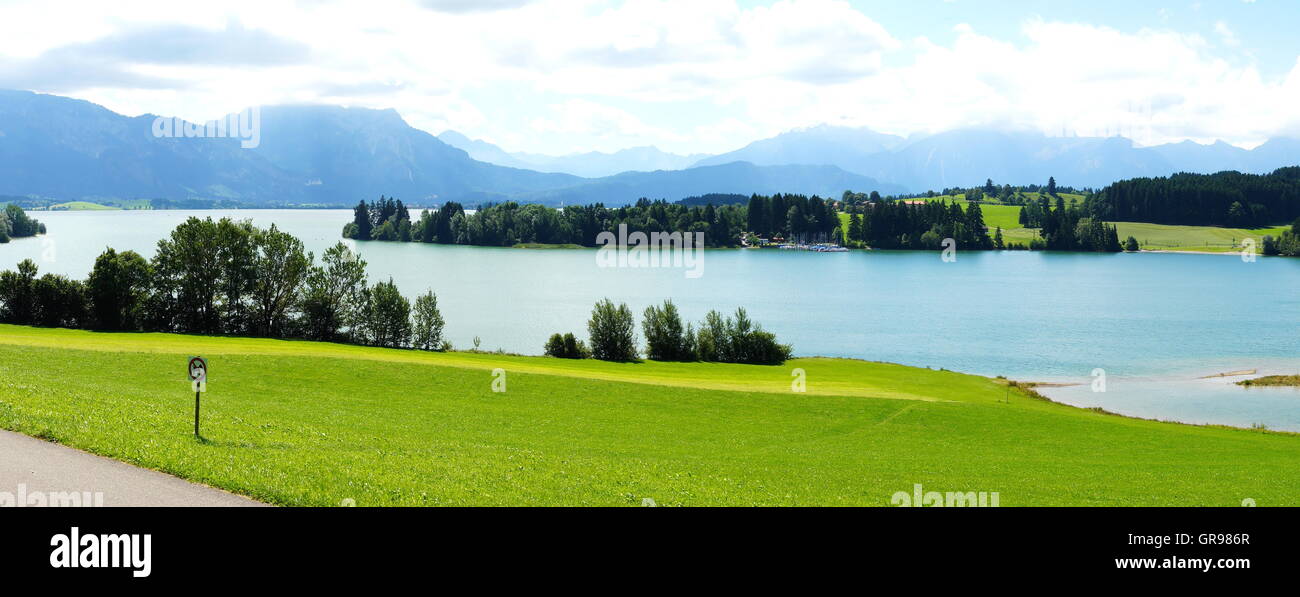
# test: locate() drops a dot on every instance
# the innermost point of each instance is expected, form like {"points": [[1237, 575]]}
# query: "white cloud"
{"points": [[545, 75]]}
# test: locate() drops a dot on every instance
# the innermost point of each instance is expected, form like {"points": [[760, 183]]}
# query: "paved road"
{"points": [[39, 470]]}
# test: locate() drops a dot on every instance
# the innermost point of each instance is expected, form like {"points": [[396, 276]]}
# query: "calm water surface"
{"points": [[1153, 322]]}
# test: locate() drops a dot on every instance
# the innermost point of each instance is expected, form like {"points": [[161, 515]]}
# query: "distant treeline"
{"points": [[509, 224], [900, 225], [1288, 245], [230, 278], [1228, 199], [714, 199], [14, 223]]}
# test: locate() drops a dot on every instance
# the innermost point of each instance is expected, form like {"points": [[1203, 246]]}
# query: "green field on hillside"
{"points": [[301, 423], [1160, 237], [81, 206], [1151, 237]]}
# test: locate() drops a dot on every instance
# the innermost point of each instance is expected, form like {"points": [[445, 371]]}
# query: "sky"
{"points": [[687, 76]]}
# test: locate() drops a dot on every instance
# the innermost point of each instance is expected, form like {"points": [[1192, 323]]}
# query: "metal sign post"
{"points": [[198, 370]]}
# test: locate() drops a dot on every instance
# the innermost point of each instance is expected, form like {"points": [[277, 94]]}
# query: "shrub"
{"points": [[739, 340], [566, 346], [612, 331], [666, 339]]}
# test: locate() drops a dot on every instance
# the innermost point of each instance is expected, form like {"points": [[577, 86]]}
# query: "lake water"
{"points": [[1153, 322]]}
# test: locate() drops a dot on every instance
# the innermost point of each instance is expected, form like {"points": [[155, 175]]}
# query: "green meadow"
{"points": [[1160, 237], [1151, 237], [302, 423]]}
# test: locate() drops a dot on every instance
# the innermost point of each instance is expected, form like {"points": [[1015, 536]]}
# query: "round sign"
{"points": [[198, 369]]}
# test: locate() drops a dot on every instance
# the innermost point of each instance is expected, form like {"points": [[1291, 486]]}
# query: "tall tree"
{"points": [[118, 287], [280, 265], [334, 295], [612, 332], [426, 331]]}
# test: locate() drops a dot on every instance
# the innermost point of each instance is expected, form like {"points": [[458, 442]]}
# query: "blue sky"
{"points": [[689, 76]]}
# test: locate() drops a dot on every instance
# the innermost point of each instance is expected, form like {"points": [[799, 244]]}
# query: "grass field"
{"points": [[1272, 380], [1151, 237], [82, 206], [298, 423], [1158, 237]]}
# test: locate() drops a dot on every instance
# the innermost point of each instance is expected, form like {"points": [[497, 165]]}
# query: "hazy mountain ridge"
{"points": [[592, 164], [67, 150], [967, 157]]}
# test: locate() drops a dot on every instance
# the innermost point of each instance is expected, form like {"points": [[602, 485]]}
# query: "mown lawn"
{"points": [[299, 423]]}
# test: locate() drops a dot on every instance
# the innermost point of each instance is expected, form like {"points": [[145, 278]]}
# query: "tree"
{"points": [[566, 346], [1131, 245], [387, 316], [118, 287], [18, 294], [60, 302], [361, 224], [426, 329], [15, 223], [665, 335], [998, 242], [1051, 186], [555, 346], [279, 267], [738, 340], [612, 332], [334, 295], [203, 274], [855, 227]]}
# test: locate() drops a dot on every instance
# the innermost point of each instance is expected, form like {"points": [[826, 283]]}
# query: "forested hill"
{"points": [[1228, 199]]}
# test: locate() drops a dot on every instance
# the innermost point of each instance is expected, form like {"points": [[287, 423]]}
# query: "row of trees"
{"points": [[510, 223], [718, 339], [227, 277], [15, 223], [794, 217], [1288, 245], [1068, 228], [890, 224], [1224, 199]]}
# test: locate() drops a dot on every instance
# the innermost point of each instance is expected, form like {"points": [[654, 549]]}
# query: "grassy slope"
{"points": [[82, 206], [300, 423], [1194, 238], [1151, 236]]}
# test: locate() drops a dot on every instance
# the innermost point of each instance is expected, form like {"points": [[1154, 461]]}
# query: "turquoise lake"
{"points": [[1154, 323]]}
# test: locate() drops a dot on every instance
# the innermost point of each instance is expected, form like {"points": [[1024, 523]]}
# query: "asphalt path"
{"points": [[44, 473]]}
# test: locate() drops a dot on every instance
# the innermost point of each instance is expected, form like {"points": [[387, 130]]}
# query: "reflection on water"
{"points": [[1215, 400]]}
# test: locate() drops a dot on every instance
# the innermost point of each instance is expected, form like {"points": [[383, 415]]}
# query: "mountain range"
{"points": [[966, 157], [65, 149], [592, 164], [58, 148]]}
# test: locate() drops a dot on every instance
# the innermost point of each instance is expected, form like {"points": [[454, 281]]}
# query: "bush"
{"points": [[613, 332], [1131, 245], [566, 346], [727, 340], [666, 339]]}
